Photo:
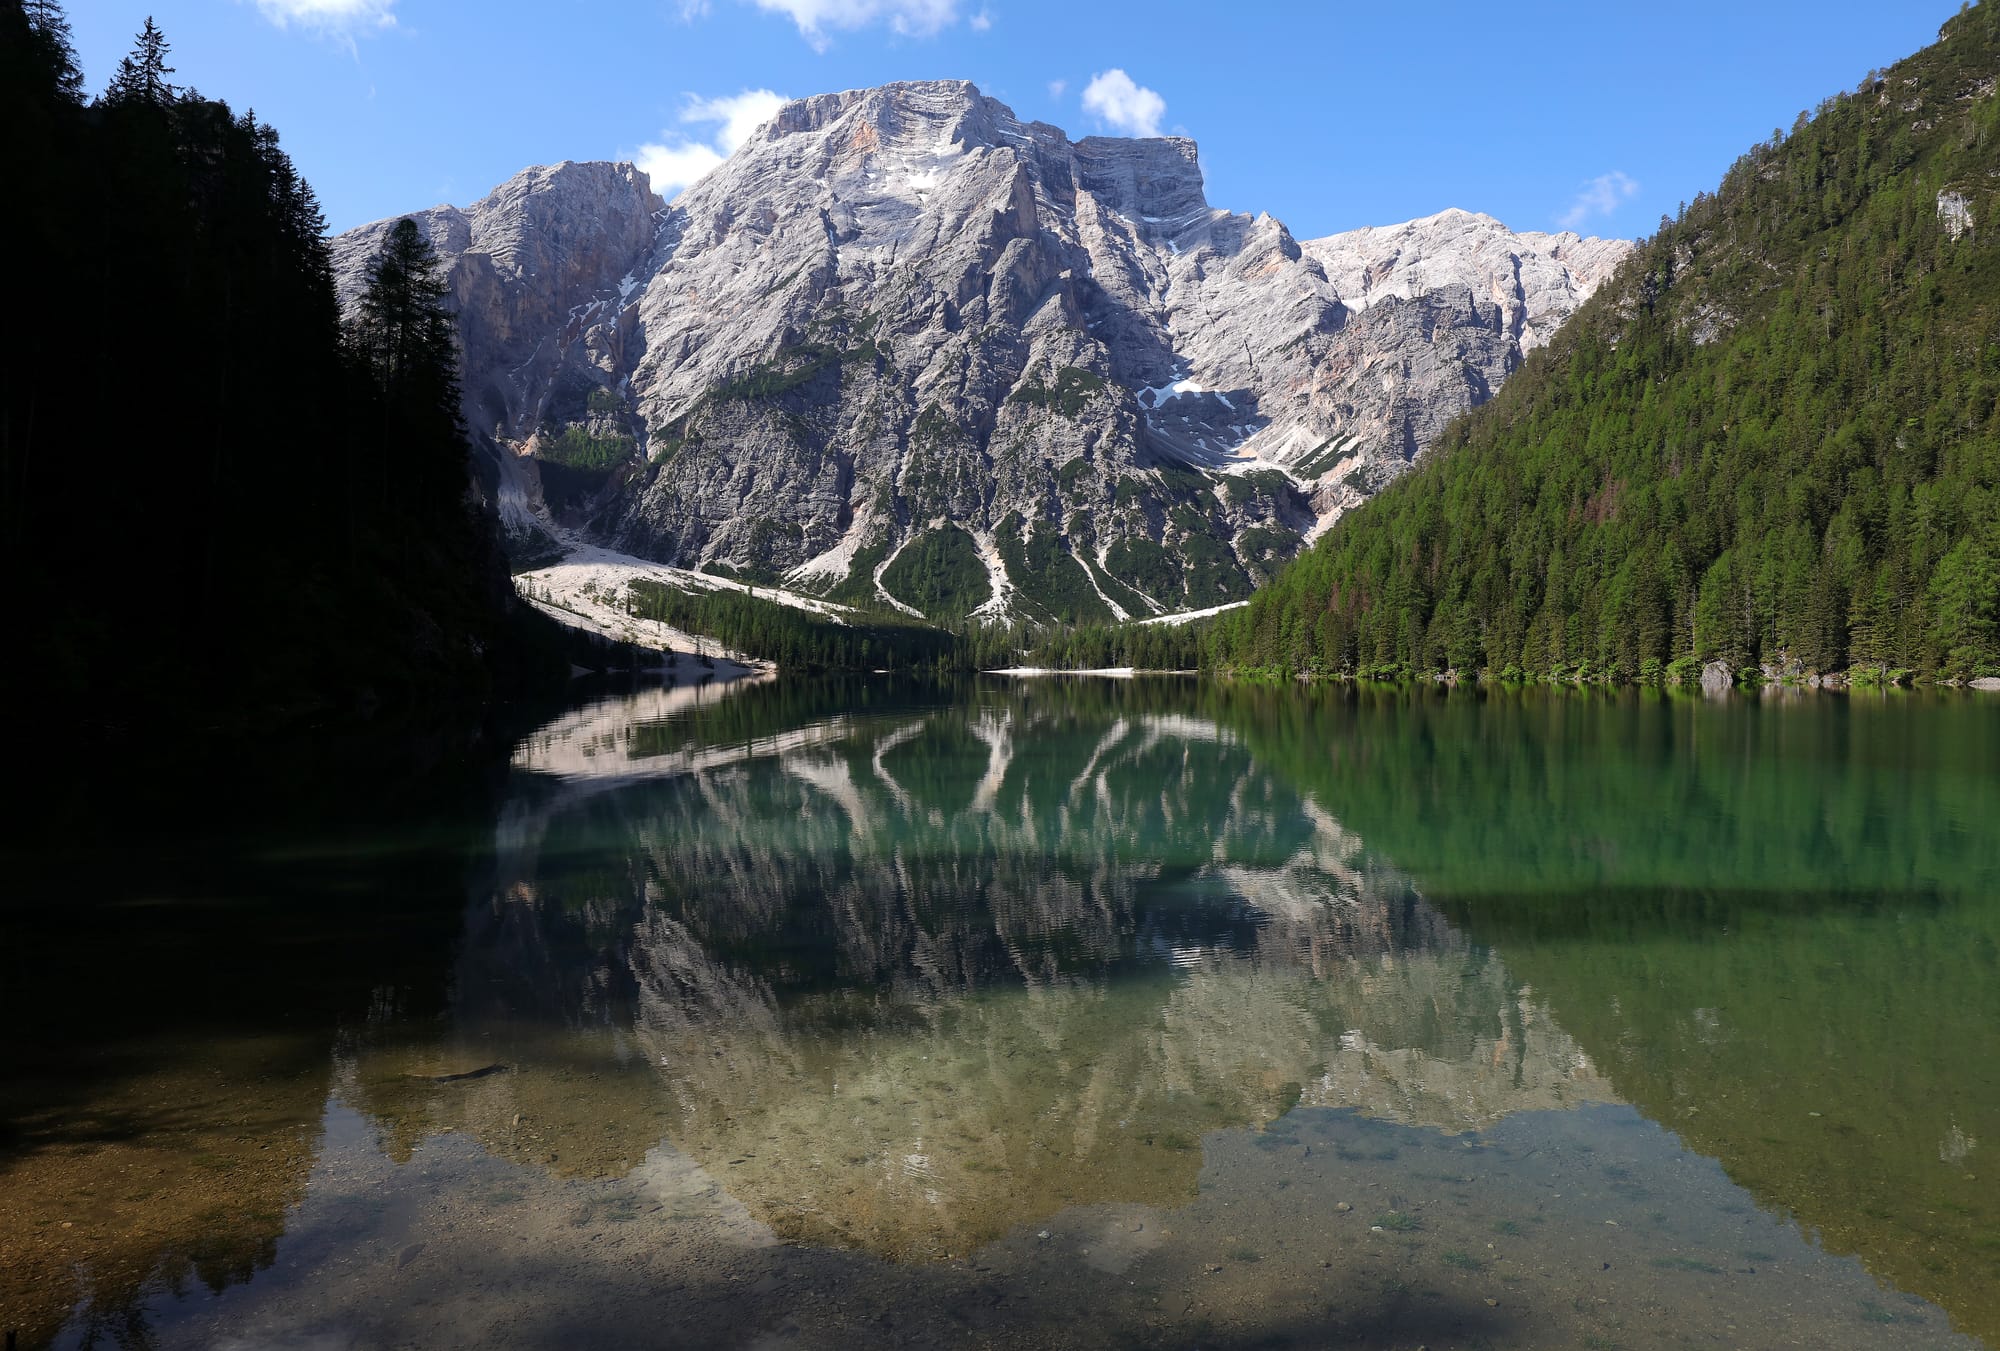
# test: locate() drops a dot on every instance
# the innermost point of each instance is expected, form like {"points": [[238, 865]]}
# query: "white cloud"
{"points": [[736, 115], [1057, 88], [1601, 196], [343, 17], [678, 160], [673, 167], [981, 21], [1125, 106], [912, 18]]}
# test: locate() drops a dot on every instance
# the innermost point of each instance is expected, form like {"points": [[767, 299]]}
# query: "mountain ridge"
{"points": [[900, 316]]}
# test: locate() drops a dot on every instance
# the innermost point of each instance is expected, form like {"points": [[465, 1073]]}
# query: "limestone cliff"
{"points": [[902, 334]]}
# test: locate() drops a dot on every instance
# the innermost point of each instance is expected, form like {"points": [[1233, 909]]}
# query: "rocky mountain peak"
{"points": [[903, 348], [1529, 275], [881, 104], [1156, 180]]}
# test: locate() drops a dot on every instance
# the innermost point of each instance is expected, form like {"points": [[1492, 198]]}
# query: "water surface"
{"points": [[1043, 1012]]}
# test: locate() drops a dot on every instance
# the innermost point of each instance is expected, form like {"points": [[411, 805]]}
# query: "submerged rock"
{"points": [[483, 1072]]}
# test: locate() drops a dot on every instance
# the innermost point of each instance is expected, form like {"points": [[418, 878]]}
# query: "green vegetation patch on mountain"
{"points": [[1068, 395], [791, 368], [858, 586], [1049, 584], [1145, 566], [1214, 577], [1771, 438], [580, 448], [1264, 549], [577, 462], [796, 639], [940, 573], [1112, 589]]}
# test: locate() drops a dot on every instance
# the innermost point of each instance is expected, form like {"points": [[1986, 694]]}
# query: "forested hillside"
{"points": [[877, 638], [1770, 439], [220, 504]]}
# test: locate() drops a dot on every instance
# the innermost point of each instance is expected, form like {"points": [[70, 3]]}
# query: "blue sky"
{"points": [[1328, 116]]}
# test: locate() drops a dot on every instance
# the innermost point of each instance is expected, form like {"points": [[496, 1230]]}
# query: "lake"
{"points": [[1030, 1013]]}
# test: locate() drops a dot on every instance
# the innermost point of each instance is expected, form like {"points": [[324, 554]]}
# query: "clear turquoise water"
{"points": [[1056, 1012]]}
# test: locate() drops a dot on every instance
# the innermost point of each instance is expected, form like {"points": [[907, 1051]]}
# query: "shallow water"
{"points": [[1043, 1013]]}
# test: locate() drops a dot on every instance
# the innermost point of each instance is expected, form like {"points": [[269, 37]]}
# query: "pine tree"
{"points": [[141, 76], [188, 221], [45, 40], [405, 331], [406, 341], [1965, 596]]}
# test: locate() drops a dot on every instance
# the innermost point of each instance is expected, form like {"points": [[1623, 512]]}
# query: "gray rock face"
{"points": [[1954, 214], [533, 267], [904, 347]]}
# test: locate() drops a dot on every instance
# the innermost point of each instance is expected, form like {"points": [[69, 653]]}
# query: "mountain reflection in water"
{"points": [[908, 973], [912, 979]]}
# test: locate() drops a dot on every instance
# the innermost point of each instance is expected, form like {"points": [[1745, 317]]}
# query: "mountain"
{"points": [[1769, 441], [905, 349]]}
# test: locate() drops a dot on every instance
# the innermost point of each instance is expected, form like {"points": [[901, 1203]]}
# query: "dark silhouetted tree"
{"points": [[141, 77], [404, 327], [183, 429], [44, 49], [405, 335]]}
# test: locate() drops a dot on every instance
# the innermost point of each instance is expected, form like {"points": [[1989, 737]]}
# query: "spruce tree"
{"points": [[40, 33], [269, 584], [406, 339], [405, 330], [141, 76]]}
